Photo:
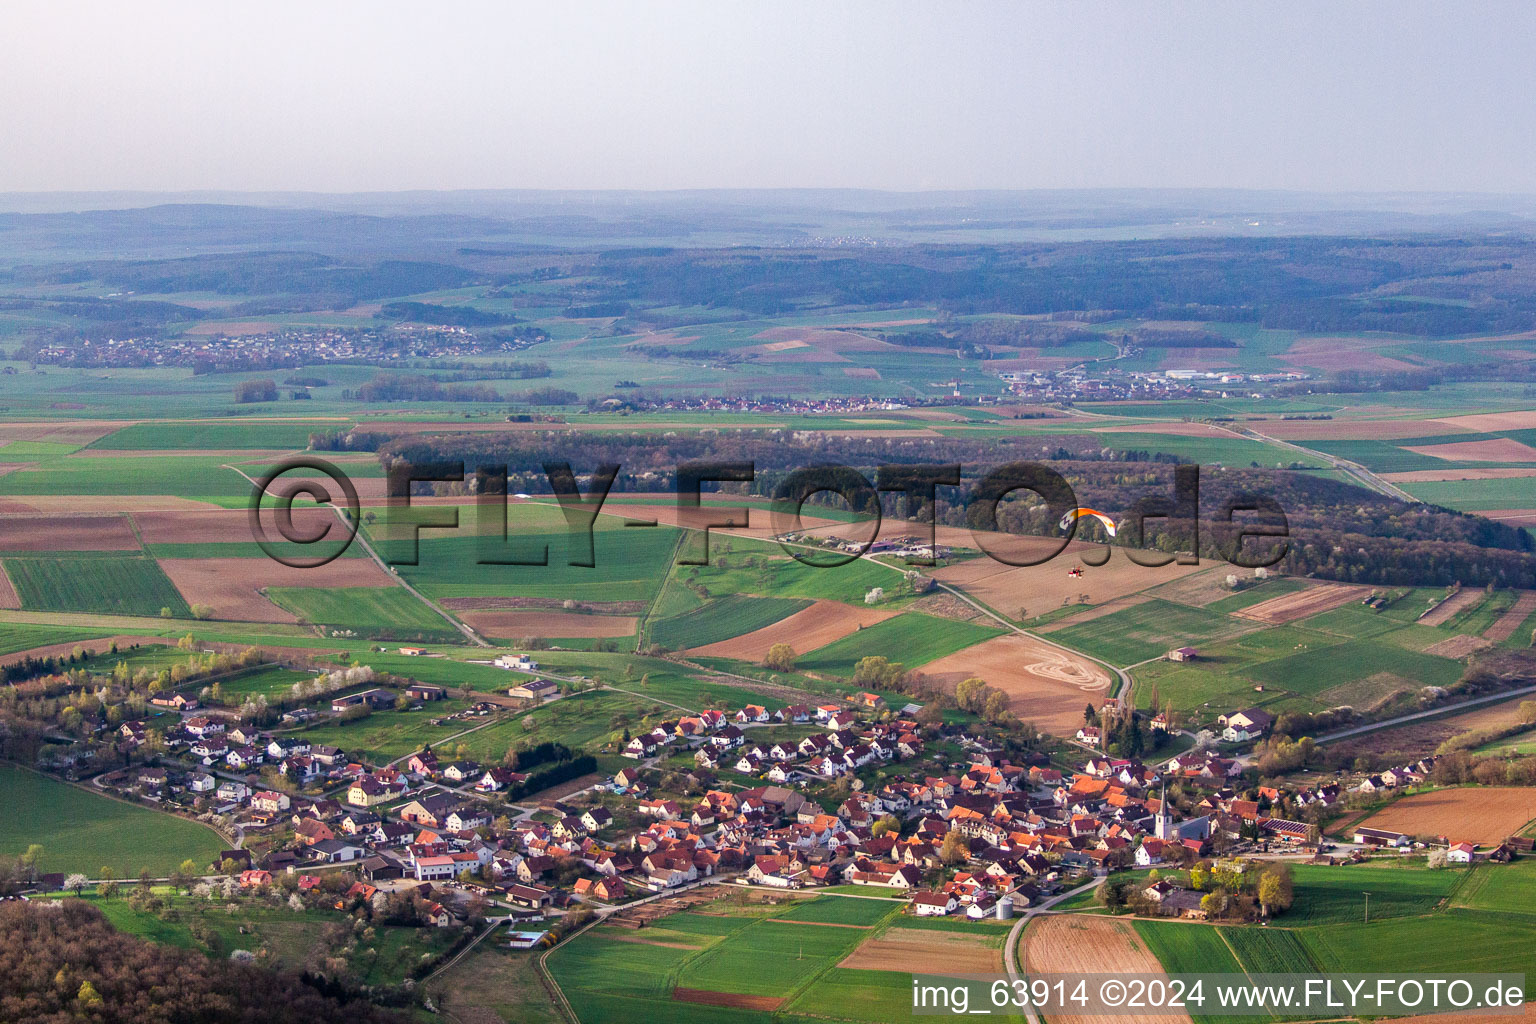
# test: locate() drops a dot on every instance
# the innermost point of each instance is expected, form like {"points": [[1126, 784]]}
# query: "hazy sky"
{"points": [[348, 96]]}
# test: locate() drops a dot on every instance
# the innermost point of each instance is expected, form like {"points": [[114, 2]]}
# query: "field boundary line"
{"points": [[642, 629], [399, 580]]}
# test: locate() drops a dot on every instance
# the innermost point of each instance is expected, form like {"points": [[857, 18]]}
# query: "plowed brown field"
{"points": [[67, 533], [1504, 627], [1500, 449], [219, 526], [806, 630], [1479, 815], [1045, 685], [1302, 603], [907, 949], [231, 585], [1074, 944]]}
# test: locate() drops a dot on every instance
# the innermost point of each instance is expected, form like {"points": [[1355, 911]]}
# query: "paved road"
{"points": [[362, 538], [1011, 947], [1362, 475], [1431, 713], [1124, 695]]}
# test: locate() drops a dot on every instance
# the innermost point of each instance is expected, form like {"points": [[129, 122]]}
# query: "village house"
{"points": [[1241, 726]]}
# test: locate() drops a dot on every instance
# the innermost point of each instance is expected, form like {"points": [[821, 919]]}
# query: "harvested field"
{"points": [[899, 949], [1043, 588], [1518, 516], [84, 504], [727, 999], [806, 630], [947, 605], [829, 340], [1341, 353], [8, 597], [1504, 627], [1198, 589], [1179, 429], [1479, 815], [1524, 419], [1460, 646], [470, 604], [1420, 476], [1098, 612], [1301, 604], [861, 372], [232, 586], [219, 526], [507, 624], [1447, 609], [1074, 944], [1499, 449], [67, 533], [1045, 685], [1363, 430], [61, 431], [94, 646], [1527, 1013]]}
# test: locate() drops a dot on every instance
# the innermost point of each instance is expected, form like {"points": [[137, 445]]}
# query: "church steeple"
{"points": [[1163, 824]]}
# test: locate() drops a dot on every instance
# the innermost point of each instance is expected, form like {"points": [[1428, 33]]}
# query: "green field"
{"points": [[107, 584], [1317, 670], [369, 610], [911, 638], [1149, 630], [755, 951], [15, 637], [229, 433], [83, 831], [630, 565], [1421, 921], [839, 910], [738, 566], [721, 619]]}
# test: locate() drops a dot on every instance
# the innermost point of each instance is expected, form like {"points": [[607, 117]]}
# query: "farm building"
{"points": [[535, 690], [1380, 837], [1183, 654]]}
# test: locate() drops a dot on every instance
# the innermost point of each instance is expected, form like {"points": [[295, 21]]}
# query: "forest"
{"points": [[64, 962]]}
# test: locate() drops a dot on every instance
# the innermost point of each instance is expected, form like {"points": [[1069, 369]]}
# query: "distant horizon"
{"points": [[680, 95]]}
